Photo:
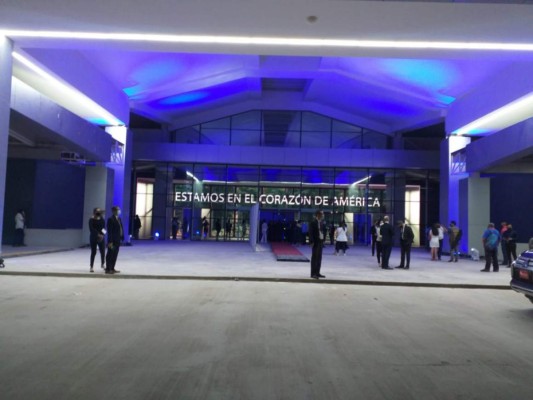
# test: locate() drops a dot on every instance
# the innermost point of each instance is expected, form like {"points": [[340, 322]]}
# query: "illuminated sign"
{"points": [[276, 199]]}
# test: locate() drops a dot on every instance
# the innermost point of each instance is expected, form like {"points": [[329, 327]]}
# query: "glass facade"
{"points": [[206, 198], [299, 129]]}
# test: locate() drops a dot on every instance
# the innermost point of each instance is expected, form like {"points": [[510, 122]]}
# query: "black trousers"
{"points": [[405, 255], [341, 246], [19, 237], [439, 253], [316, 258], [379, 251], [454, 251], [505, 253], [373, 245], [491, 256], [111, 258], [101, 246], [511, 252], [386, 249]]}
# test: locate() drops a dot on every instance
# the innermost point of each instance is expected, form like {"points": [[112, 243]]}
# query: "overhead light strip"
{"points": [[270, 41], [89, 104], [501, 118]]}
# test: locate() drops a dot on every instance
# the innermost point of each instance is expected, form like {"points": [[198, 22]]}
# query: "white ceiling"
{"points": [[382, 89]]}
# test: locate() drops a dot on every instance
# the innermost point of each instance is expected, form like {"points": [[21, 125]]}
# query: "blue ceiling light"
{"points": [[184, 98], [153, 73], [427, 74]]}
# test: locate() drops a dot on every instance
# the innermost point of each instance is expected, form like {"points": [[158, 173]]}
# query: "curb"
{"points": [[253, 279]]}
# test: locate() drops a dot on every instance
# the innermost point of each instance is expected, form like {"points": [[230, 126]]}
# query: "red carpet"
{"points": [[287, 252]]}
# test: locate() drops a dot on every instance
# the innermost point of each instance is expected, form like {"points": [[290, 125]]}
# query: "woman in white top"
{"points": [[379, 248], [341, 239], [434, 242]]}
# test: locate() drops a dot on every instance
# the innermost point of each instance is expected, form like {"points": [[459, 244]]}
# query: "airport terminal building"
{"points": [[210, 119]]}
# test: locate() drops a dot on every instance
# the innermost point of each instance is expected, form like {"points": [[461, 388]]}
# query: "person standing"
{"points": [[205, 227], [505, 256], [264, 231], [491, 241], [136, 227], [175, 226], [20, 225], [454, 236], [316, 238], [184, 229], [406, 241], [96, 237], [243, 229], [434, 241], [341, 239], [218, 228], [442, 231], [379, 246], [374, 236], [115, 235], [509, 238], [331, 232], [227, 231], [387, 234]]}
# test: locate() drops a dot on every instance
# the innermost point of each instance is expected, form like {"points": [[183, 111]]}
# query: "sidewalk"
{"points": [[220, 260]]}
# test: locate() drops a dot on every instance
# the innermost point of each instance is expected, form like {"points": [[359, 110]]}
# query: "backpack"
{"points": [[492, 240]]}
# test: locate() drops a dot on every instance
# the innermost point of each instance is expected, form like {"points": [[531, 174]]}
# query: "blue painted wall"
{"points": [[51, 193], [59, 195], [511, 201], [19, 194]]}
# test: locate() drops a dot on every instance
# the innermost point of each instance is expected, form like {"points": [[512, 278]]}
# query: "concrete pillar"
{"points": [[121, 160], [99, 191], [474, 211], [6, 70], [449, 184], [163, 195]]}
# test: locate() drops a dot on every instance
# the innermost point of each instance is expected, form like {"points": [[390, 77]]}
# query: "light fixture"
{"points": [[361, 180], [192, 176], [269, 41], [510, 114], [94, 112]]}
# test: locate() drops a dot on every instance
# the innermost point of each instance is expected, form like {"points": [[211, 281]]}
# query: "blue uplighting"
{"points": [[183, 98], [478, 131], [100, 121], [152, 73], [428, 74]]}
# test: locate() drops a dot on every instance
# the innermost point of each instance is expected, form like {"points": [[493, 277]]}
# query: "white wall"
{"points": [[67, 238]]}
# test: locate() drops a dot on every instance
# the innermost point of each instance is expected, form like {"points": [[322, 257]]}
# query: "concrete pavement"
{"points": [[119, 339], [220, 260]]}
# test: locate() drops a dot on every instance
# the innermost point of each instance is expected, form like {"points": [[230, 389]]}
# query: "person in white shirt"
{"points": [[20, 224], [341, 239], [442, 230]]}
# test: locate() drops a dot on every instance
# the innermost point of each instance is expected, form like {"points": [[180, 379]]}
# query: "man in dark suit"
{"points": [[387, 233], [115, 235], [316, 238], [406, 241]]}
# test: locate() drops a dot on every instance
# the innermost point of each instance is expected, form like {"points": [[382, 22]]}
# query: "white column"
{"points": [[121, 165], [6, 68], [99, 190], [474, 210], [449, 186]]}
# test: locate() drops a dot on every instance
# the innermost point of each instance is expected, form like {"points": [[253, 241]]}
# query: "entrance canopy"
{"points": [[386, 66]]}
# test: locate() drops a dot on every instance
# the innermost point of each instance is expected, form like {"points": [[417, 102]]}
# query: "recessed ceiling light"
{"points": [[270, 41]]}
